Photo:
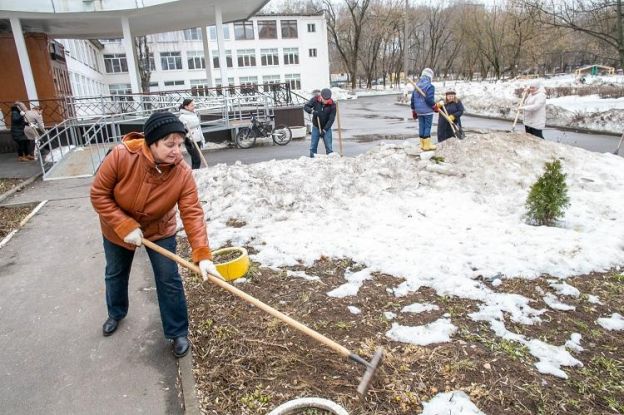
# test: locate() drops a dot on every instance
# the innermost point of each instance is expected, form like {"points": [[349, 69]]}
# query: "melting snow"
{"points": [[440, 331], [615, 322], [419, 308], [554, 303], [450, 403]]}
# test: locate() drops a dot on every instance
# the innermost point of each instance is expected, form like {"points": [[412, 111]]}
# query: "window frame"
{"points": [[119, 58], [246, 58], [165, 62], [195, 60], [286, 26], [247, 27], [291, 56], [271, 54]]}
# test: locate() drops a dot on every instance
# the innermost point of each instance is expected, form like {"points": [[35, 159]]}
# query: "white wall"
{"points": [[313, 71], [85, 67]]}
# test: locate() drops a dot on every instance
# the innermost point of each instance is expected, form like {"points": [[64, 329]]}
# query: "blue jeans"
{"points": [[169, 288], [315, 140], [424, 125]]}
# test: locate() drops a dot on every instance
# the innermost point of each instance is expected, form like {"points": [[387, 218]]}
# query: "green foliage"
{"points": [[548, 197]]}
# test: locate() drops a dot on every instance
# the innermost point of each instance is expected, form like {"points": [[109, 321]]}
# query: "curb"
{"points": [[19, 187], [552, 126], [187, 382], [23, 222]]}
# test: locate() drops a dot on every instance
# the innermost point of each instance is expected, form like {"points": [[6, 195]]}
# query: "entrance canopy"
{"points": [[93, 19]]}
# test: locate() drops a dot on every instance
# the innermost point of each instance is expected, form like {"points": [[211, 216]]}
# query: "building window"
{"points": [[218, 82], [246, 57], [248, 84], [215, 59], [311, 27], [199, 82], [212, 32], [312, 53], [267, 29], [243, 31], [196, 60], [291, 56], [294, 80], [174, 83], [269, 57], [170, 61], [152, 62], [166, 37], [270, 82], [289, 29], [115, 63], [192, 34], [120, 89]]}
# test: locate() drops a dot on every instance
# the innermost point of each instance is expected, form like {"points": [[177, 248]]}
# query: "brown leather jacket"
{"points": [[131, 191]]}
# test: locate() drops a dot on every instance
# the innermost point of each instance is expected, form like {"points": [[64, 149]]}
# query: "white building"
{"points": [[263, 50], [85, 66]]}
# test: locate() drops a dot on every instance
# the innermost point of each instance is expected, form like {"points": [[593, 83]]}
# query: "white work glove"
{"points": [[22, 113], [206, 267], [135, 237]]}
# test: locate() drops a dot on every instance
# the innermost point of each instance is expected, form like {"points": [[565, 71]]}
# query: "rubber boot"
{"points": [[426, 145]]}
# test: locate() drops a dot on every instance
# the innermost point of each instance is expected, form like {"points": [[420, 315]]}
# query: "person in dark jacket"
{"points": [[18, 123], [423, 107], [323, 110], [455, 109]]}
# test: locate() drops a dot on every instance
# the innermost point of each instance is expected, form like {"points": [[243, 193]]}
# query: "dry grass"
{"points": [[248, 363]]}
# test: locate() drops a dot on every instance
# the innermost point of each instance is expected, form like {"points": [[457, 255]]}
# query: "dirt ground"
{"points": [[10, 217], [246, 362], [8, 184]]}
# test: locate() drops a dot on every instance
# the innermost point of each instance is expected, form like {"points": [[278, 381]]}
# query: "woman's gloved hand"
{"points": [[135, 237], [206, 267]]}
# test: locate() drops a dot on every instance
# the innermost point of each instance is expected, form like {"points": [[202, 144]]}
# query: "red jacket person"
{"points": [[135, 193]]}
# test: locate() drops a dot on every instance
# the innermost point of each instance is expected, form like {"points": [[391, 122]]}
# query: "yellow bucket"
{"points": [[235, 268]]}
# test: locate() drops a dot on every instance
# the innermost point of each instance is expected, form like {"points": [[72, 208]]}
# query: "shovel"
{"points": [[371, 366], [513, 127], [617, 150], [457, 130]]}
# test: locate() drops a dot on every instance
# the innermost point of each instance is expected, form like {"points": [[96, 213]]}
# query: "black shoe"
{"points": [[181, 346], [109, 327]]}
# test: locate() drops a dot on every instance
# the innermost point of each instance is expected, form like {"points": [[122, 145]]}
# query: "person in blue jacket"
{"points": [[423, 107]]}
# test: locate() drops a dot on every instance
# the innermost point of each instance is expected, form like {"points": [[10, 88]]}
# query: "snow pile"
{"points": [[615, 322], [451, 227], [302, 274], [450, 403], [439, 331], [564, 288], [498, 99]]}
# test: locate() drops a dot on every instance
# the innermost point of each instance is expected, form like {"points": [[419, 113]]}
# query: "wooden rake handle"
{"points": [[343, 351], [524, 94]]}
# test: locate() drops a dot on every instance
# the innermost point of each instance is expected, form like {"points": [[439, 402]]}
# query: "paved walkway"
{"points": [[54, 358], [11, 168]]}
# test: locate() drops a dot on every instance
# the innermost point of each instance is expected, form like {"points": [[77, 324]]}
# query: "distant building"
{"points": [[263, 50]]}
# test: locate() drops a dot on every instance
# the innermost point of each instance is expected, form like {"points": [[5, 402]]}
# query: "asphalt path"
{"points": [[365, 122]]}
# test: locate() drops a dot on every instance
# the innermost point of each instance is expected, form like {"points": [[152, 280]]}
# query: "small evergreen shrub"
{"points": [[548, 197]]}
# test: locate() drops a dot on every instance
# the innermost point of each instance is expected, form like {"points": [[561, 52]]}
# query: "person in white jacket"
{"points": [[192, 124], [535, 109]]}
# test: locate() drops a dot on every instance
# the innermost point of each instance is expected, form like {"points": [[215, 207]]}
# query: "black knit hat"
{"points": [[326, 93], [161, 124]]}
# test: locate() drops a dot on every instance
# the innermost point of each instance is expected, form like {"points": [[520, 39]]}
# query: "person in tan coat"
{"points": [[135, 193]]}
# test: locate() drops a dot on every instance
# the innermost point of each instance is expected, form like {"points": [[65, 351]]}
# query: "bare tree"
{"points": [[345, 29], [143, 62], [601, 19]]}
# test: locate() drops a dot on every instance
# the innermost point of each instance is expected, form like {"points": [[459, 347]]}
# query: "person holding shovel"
{"points": [[455, 109], [535, 109], [423, 106], [135, 193], [195, 135], [323, 110]]}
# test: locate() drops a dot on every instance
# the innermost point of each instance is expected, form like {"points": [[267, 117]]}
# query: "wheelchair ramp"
{"points": [[80, 162]]}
